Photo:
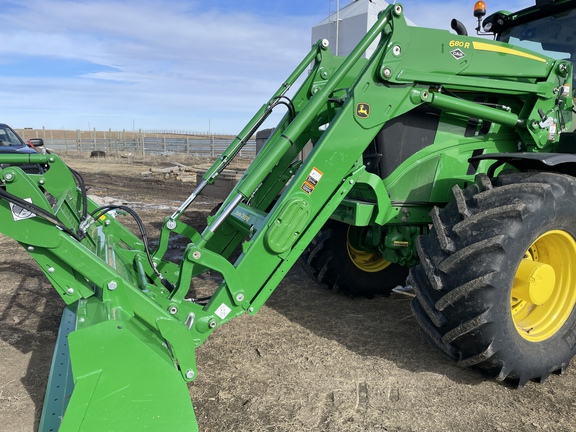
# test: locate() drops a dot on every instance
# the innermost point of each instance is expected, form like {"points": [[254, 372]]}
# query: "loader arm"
{"points": [[135, 327]]}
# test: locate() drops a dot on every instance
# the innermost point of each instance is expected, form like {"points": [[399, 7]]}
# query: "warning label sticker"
{"points": [[223, 311], [19, 213], [308, 188], [312, 180]]}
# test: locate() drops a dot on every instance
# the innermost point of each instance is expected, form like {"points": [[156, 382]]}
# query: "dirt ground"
{"points": [[309, 361]]}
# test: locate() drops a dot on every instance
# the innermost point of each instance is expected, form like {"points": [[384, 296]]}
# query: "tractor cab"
{"points": [[547, 27]]}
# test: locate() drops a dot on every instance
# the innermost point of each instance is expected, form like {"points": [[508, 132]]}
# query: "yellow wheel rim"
{"points": [[543, 292], [370, 262]]}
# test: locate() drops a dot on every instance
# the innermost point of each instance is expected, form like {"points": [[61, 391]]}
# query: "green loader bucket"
{"points": [[112, 376]]}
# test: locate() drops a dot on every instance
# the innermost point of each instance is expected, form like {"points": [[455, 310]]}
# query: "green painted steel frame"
{"points": [[135, 339]]}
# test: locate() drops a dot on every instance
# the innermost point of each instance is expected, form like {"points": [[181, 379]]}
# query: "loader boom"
{"points": [[135, 325]]}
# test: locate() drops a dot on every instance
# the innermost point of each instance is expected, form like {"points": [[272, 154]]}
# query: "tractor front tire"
{"points": [[496, 283], [331, 260]]}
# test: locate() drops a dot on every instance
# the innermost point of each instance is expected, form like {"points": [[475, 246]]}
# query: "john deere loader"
{"points": [[444, 157]]}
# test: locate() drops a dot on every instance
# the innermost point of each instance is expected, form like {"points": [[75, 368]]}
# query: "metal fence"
{"points": [[138, 143]]}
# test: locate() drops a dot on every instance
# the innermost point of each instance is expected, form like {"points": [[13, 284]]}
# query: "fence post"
{"points": [[212, 146], [187, 146], [164, 144], [78, 140], [141, 141], [66, 141]]}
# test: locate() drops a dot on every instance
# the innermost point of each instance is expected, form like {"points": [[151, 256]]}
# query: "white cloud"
{"points": [[164, 65], [169, 59]]}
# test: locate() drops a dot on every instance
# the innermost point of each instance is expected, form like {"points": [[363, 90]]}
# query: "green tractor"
{"points": [[442, 153]]}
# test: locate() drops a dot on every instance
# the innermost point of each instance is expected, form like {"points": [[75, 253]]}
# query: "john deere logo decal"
{"points": [[363, 110], [457, 54]]}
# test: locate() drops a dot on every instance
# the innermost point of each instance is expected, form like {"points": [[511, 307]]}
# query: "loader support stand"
{"points": [[246, 133]]}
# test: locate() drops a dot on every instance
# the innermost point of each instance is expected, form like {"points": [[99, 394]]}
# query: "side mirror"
{"points": [[36, 142]]}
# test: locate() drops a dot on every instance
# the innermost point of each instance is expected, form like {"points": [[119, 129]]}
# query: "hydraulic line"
{"points": [[38, 211], [82, 187], [105, 209]]}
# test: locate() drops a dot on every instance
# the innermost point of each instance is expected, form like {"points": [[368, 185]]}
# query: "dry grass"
{"points": [[59, 134], [238, 163]]}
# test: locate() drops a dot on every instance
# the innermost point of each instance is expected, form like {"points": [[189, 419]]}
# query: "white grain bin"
{"points": [[346, 27]]}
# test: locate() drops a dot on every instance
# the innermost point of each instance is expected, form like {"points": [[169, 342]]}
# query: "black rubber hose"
{"points": [[38, 211], [105, 209]]}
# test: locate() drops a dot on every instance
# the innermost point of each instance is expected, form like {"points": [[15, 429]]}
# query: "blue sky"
{"points": [[179, 64]]}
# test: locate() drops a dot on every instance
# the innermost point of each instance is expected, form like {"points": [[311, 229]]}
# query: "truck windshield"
{"points": [[9, 138], [552, 36]]}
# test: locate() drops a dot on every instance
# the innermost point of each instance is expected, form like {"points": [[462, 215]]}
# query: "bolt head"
{"points": [[112, 285], [173, 310], [190, 374], [212, 324], [196, 255], [240, 297], [51, 270], [70, 291], [171, 224]]}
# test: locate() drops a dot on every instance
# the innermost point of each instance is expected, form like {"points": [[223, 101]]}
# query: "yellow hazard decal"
{"points": [[483, 46], [313, 178], [363, 110]]}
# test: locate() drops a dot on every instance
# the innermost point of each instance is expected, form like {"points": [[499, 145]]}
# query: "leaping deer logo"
{"points": [[363, 110]]}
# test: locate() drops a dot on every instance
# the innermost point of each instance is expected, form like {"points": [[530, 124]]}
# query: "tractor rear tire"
{"points": [[496, 286], [331, 260]]}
